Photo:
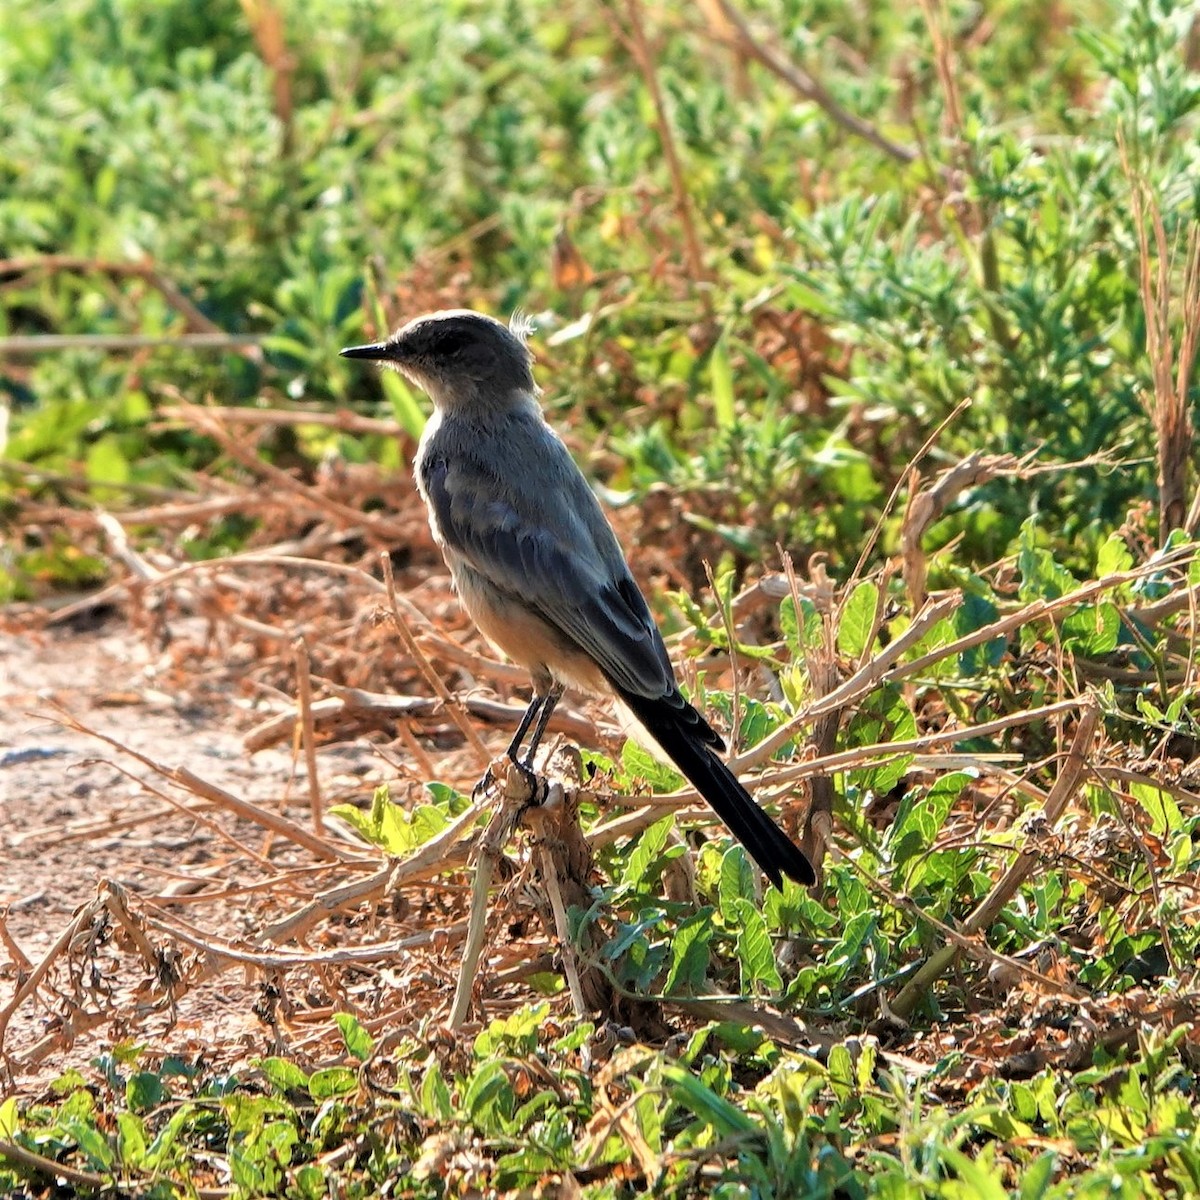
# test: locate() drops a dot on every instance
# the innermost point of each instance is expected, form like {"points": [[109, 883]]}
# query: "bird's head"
{"points": [[461, 358]]}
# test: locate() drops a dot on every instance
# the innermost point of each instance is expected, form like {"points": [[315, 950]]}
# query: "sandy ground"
{"points": [[68, 809]]}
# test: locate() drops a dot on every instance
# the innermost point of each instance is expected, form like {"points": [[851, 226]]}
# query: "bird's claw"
{"points": [[492, 776], [485, 782], [530, 778]]}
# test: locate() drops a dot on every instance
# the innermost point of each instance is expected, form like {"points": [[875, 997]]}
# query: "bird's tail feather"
{"points": [[685, 737]]}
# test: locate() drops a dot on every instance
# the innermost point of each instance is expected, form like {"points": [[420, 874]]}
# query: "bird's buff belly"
{"points": [[519, 632]]}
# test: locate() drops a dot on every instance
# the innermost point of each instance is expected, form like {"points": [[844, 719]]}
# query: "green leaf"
{"points": [[131, 1139], [144, 1090], [982, 1183], [721, 378], [690, 954], [517, 1033], [974, 613], [389, 826], [1041, 577], [311, 1183], [1093, 629], [106, 461], [1113, 558], [646, 851], [735, 882], [68, 1081], [754, 949], [405, 406], [920, 820], [181, 1120], [805, 632], [359, 1043], [435, 1095], [693, 612], [488, 1099], [759, 720], [858, 618], [842, 1078], [9, 1120], [90, 1140], [688, 1092], [426, 822], [332, 1081], [283, 1074], [1160, 807], [448, 799], [641, 764], [1036, 1180]]}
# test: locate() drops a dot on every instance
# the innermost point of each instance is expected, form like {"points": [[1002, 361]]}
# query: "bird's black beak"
{"points": [[376, 350]]}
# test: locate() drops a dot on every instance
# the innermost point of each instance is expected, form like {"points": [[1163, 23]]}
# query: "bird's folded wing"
{"points": [[571, 582]]}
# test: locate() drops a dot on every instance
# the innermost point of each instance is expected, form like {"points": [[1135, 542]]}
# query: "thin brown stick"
{"points": [[652, 807], [805, 84], [515, 798], [54, 1171], [307, 733], [444, 852], [1171, 366], [846, 759], [342, 420], [10, 944], [919, 457], [55, 343], [1070, 777], [266, 21], [973, 946], [225, 953], [726, 619], [550, 876], [143, 269], [926, 505], [83, 916], [936, 20], [214, 794], [70, 831], [425, 769], [869, 676], [194, 813], [202, 420], [666, 135], [465, 727], [823, 674], [350, 703]]}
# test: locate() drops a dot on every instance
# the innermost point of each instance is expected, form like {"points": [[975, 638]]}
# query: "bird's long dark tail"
{"points": [[688, 741]]}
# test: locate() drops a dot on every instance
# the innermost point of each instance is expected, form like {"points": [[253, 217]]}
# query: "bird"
{"points": [[537, 565]]}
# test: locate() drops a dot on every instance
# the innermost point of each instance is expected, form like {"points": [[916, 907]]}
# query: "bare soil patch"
{"points": [[73, 812]]}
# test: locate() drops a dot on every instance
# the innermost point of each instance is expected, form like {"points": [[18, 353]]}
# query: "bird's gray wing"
{"points": [[564, 564]]}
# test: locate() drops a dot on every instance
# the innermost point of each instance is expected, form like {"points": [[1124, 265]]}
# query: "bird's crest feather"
{"points": [[521, 324]]}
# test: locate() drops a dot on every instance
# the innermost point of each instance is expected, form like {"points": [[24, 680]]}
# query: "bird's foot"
{"points": [[528, 777], [501, 771], [485, 781]]}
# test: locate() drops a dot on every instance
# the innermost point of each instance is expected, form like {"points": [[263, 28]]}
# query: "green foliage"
{"points": [[397, 830], [783, 1123], [157, 133]]}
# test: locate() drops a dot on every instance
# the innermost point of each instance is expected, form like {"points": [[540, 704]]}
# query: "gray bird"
{"points": [[536, 563]]}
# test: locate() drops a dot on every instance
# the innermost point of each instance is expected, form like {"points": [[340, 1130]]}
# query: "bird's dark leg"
{"points": [[540, 706], [531, 711], [548, 703]]}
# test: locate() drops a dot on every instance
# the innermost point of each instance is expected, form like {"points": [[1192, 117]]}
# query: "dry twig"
{"points": [[989, 908]]}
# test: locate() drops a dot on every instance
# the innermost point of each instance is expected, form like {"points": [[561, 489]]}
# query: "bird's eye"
{"points": [[451, 343]]}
